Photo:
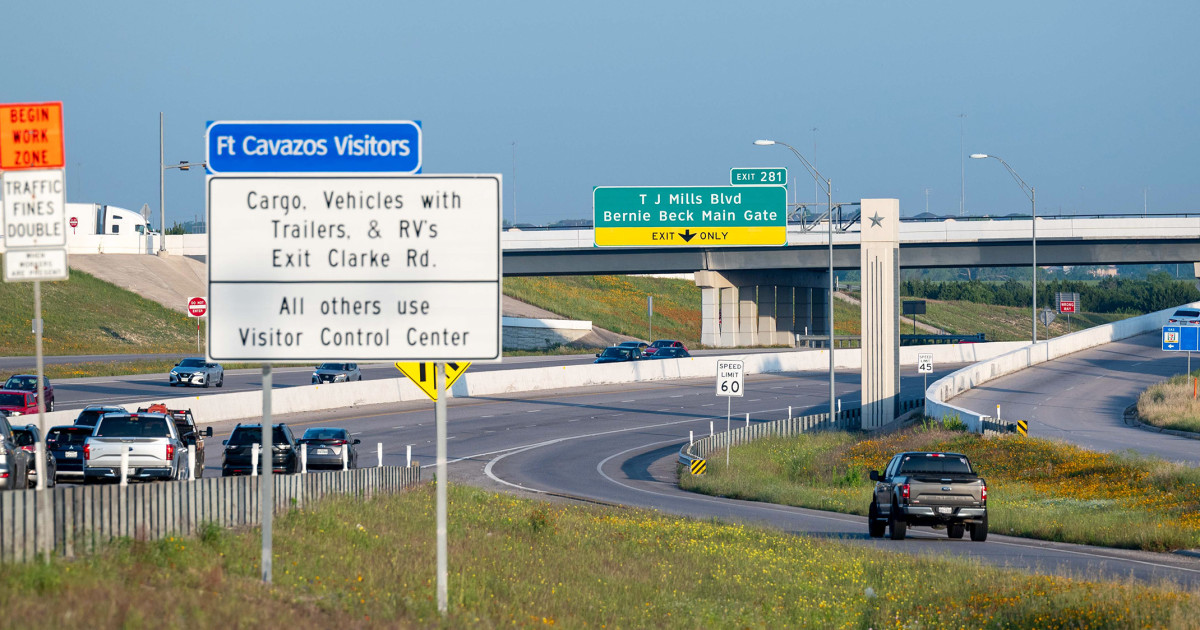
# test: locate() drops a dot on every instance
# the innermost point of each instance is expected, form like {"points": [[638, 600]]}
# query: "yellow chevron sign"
{"points": [[1022, 427], [698, 466], [423, 374]]}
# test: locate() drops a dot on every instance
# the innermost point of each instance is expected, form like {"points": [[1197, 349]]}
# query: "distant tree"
{"points": [[176, 228]]}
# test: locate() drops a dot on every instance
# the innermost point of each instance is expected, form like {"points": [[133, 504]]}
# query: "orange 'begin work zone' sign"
{"points": [[31, 136]]}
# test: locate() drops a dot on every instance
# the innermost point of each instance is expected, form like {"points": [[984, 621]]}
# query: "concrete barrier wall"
{"points": [[248, 405], [953, 384], [87, 517]]}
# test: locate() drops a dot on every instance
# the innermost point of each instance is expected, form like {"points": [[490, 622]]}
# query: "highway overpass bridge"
{"points": [[767, 295], [924, 244]]}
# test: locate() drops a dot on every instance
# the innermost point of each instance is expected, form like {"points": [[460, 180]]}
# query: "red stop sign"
{"points": [[197, 307], [74, 222]]}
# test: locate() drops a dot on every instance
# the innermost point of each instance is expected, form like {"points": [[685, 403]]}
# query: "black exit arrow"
{"points": [[687, 235]]}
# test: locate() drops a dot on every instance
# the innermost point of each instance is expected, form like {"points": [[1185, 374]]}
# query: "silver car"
{"points": [[197, 371], [336, 373]]}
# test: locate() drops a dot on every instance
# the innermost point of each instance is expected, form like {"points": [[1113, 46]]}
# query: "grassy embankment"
{"points": [[1036, 488], [1172, 404], [519, 563], [618, 303], [85, 315]]}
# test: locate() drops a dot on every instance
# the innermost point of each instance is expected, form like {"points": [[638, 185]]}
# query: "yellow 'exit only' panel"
{"points": [[691, 237]]}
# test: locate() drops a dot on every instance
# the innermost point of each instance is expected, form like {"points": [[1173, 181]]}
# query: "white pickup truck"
{"points": [[151, 439]]}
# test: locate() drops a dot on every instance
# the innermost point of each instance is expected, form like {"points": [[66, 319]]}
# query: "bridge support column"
{"points": [[769, 307], [880, 264]]}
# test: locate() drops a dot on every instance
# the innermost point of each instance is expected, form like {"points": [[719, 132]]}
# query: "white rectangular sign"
{"points": [[924, 363], [354, 268], [35, 208], [731, 378], [27, 265]]}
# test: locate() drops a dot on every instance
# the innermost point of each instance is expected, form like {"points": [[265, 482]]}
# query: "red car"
{"points": [[28, 383], [18, 403], [664, 343]]}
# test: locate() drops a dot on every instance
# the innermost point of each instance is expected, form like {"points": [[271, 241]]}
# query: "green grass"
{"points": [[521, 563], [1172, 404], [617, 303], [85, 315], [1036, 488], [1002, 323]]}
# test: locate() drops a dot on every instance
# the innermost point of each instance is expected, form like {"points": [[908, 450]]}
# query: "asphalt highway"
{"points": [[1081, 398]]}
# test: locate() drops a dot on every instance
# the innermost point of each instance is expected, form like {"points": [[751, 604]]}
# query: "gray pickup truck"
{"points": [[151, 439], [940, 490]]}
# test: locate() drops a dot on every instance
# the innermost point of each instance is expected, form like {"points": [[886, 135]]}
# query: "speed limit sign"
{"points": [[731, 378], [925, 363]]}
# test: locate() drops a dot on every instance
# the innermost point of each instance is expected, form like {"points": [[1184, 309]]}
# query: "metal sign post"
{"points": [[267, 498], [731, 380], [440, 420]]}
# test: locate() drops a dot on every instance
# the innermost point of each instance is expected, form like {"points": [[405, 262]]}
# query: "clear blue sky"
{"points": [[1091, 102]]}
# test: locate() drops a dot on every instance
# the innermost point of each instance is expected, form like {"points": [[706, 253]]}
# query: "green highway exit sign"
{"points": [[695, 216], [758, 177]]}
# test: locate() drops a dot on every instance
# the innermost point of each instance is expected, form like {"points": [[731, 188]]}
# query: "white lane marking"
{"points": [[677, 396], [532, 410], [625, 401], [485, 416], [708, 405], [501, 454]]}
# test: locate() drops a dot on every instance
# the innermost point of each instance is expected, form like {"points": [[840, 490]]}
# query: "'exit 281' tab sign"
{"points": [[689, 216]]}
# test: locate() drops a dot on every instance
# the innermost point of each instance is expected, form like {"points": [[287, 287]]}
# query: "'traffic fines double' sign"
{"points": [[731, 378], [698, 216]]}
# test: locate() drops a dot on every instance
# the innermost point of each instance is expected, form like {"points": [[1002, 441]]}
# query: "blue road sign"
{"points": [[314, 147], [1176, 338]]}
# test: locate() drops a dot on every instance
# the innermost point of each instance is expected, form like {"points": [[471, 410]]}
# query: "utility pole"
{"points": [[962, 162]]}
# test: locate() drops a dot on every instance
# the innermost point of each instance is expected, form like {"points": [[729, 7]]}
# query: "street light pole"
{"points": [[1030, 192], [162, 174], [829, 194]]}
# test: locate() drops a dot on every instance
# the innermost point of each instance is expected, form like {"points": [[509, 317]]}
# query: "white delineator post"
{"points": [[303, 458], [379, 453], [408, 456], [124, 467], [192, 463], [346, 456], [254, 453]]}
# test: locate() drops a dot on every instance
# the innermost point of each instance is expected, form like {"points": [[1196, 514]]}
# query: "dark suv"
{"points": [[239, 449]]}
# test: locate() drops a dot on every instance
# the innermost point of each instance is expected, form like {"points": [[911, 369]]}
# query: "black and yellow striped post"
{"points": [[1022, 427], [699, 466]]}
